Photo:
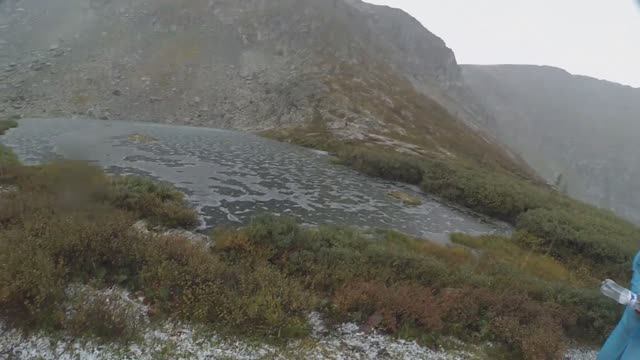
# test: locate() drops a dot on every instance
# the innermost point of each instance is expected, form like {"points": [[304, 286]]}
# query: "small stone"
{"points": [[116, 92], [141, 227]]}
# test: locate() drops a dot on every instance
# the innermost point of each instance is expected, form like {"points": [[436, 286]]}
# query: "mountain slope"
{"points": [[578, 128], [368, 72]]}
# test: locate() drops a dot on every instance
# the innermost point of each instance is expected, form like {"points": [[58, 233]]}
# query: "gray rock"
{"points": [[142, 227], [6, 189], [191, 236], [240, 67]]}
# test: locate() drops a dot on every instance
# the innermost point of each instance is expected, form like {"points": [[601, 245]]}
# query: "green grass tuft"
{"points": [[6, 125]]}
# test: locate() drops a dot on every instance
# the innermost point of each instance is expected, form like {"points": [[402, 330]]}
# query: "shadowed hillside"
{"points": [[577, 131]]}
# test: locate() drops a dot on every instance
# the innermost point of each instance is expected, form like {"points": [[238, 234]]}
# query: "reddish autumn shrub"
{"points": [[535, 329], [389, 308]]}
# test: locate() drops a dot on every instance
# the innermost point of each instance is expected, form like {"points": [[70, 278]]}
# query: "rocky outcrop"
{"points": [[224, 63], [577, 131], [142, 227], [365, 72]]}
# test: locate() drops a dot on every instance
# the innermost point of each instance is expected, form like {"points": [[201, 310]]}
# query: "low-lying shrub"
{"points": [[503, 249], [6, 125], [107, 314], [158, 202], [383, 164], [7, 158], [265, 278], [489, 192], [65, 226], [579, 236], [569, 230], [245, 296], [394, 283]]}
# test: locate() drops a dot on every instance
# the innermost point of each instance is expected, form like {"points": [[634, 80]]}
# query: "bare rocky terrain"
{"points": [[241, 64], [366, 72]]}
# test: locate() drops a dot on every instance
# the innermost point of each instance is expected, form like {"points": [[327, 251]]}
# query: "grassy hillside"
{"points": [[571, 231], [372, 105]]}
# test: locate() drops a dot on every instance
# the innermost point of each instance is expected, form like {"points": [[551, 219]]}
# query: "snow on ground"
{"points": [[581, 354], [176, 341], [171, 340]]}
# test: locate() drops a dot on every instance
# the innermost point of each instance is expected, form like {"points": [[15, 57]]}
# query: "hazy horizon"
{"points": [[560, 34]]}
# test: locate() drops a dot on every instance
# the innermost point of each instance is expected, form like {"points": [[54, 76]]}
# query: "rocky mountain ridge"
{"points": [[366, 72]]}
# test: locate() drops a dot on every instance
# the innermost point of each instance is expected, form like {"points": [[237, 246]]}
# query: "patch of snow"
{"points": [[117, 299], [142, 227], [174, 340], [581, 354], [180, 341]]}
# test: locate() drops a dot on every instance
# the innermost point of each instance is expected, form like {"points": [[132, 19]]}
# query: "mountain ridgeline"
{"points": [[367, 73], [241, 64], [578, 132]]}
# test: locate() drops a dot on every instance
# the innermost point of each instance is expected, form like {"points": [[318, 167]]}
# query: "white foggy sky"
{"points": [[598, 38]]}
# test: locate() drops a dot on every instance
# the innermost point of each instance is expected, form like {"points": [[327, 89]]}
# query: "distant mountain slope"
{"points": [[368, 72], [582, 129]]}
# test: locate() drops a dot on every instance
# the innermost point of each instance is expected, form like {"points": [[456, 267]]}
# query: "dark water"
{"points": [[230, 176]]}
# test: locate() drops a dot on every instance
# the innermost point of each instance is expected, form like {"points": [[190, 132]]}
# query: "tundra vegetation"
{"points": [[68, 223]]}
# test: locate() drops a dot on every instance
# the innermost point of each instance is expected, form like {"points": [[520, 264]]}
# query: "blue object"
{"points": [[624, 341]]}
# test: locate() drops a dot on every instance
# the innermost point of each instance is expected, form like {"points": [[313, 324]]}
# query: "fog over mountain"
{"points": [[575, 129]]}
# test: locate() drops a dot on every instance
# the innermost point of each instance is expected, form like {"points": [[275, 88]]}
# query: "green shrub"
{"points": [[7, 158], [6, 125], [31, 283], [65, 225], [376, 280], [105, 314], [573, 235], [247, 296], [160, 203], [492, 193], [388, 165]]}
